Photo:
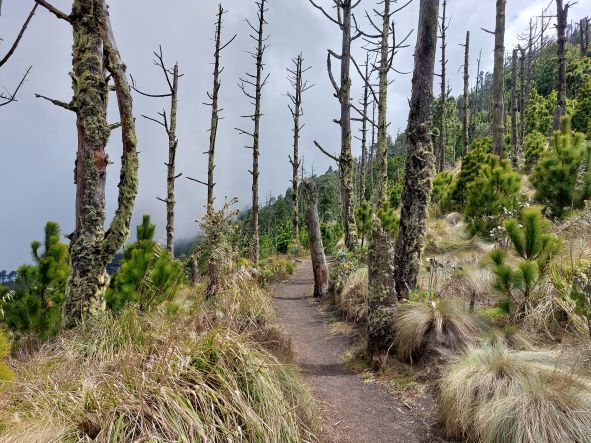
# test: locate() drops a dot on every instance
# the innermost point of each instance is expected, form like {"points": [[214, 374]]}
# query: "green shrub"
{"points": [[6, 373], [582, 114], [441, 186], [35, 304], [331, 234], [363, 219], [276, 268], [533, 147], [472, 162], [148, 275], [539, 113], [535, 246], [495, 191], [562, 177]]}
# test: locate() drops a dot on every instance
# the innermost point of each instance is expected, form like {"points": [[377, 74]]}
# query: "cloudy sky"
{"points": [[38, 140]]}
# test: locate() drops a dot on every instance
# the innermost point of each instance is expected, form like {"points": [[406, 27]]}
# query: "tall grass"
{"points": [[493, 394], [352, 298], [154, 377]]}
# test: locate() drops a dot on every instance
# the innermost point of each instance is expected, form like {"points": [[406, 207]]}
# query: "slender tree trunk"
{"points": [[443, 95], [319, 265], [364, 118], [498, 129], [530, 48], [258, 84], [95, 58], [416, 192], [583, 32], [514, 140], [171, 165], [476, 104], [561, 23], [522, 81], [465, 122]]}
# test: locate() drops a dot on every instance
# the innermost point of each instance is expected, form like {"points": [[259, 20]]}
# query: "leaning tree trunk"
{"points": [[319, 265], [498, 129], [514, 142], [465, 121], [420, 160], [561, 23], [95, 59]]}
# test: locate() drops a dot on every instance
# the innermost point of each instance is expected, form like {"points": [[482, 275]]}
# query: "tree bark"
{"points": [[514, 142], [171, 165], [465, 122], [498, 130], [561, 23], [443, 94], [95, 58], [364, 119], [522, 81], [420, 160], [319, 265]]}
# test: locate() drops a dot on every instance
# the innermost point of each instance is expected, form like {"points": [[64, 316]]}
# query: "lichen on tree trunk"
{"points": [[561, 24], [420, 161], [498, 111]]}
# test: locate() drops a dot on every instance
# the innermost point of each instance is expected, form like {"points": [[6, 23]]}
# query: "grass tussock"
{"points": [[433, 327], [154, 377], [494, 394], [352, 299]]}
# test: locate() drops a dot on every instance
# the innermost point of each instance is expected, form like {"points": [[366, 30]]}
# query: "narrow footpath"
{"points": [[352, 411]]}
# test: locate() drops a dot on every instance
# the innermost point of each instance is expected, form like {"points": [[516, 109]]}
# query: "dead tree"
{"points": [[514, 140], [300, 86], [319, 265], [561, 23], [522, 81], [215, 110], [257, 82], [172, 80], [476, 104], [465, 120], [95, 61], [344, 14], [443, 27], [420, 161], [8, 97], [584, 36], [364, 103], [498, 102]]}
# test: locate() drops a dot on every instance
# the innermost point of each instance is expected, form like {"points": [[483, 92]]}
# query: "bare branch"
{"points": [[19, 37], [59, 14]]}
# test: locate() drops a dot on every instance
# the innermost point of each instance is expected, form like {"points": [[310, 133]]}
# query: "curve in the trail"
{"points": [[352, 411]]}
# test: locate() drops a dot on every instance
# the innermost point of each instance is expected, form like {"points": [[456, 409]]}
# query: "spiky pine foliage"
{"points": [[441, 186], [561, 178], [147, 276], [494, 191], [428, 326], [35, 304], [363, 218], [472, 162], [533, 147], [539, 113], [582, 114], [389, 219], [493, 394], [534, 245], [6, 373]]}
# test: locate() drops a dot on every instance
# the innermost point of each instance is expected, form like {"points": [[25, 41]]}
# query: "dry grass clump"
{"points": [[352, 298], [433, 327], [154, 377], [493, 394]]}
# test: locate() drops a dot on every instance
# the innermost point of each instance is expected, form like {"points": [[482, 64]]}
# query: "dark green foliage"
{"points": [[147, 276], [493, 192], [533, 146], [363, 218], [578, 73], [479, 155], [441, 186], [534, 245], [394, 195], [561, 178], [539, 113], [331, 234], [582, 114], [389, 219], [39, 290]]}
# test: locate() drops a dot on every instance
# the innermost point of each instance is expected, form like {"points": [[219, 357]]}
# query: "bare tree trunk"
{"points": [[498, 130], [530, 49], [465, 122], [95, 58], [522, 81], [364, 119], [561, 22], [514, 109], [170, 128], [319, 265], [258, 85], [583, 31], [343, 93], [416, 192], [476, 104], [443, 96], [300, 86]]}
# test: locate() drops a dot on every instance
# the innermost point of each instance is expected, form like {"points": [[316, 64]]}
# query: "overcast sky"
{"points": [[39, 140]]}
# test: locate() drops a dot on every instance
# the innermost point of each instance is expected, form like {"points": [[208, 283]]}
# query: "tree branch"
{"points": [[59, 14]]}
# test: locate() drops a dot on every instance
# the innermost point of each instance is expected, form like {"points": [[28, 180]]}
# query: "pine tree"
{"points": [[147, 276], [582, 114], [493, 192], [533, 147], [534, 245], [557, 177], [363, 218]]}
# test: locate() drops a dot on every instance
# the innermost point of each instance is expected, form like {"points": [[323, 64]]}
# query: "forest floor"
{"points": [[352, 410]]}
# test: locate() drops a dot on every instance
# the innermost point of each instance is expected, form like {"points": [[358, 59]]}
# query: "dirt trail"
{"points": [[352, 411]]}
